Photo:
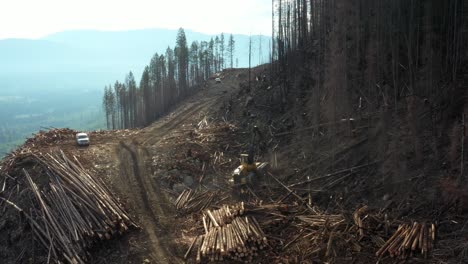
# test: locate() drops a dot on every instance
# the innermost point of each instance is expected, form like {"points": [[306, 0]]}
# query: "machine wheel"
{"points": [[252, 179], [237, 179]]}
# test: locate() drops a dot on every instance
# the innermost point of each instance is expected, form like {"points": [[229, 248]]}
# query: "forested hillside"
{"points": [[169, 78]]}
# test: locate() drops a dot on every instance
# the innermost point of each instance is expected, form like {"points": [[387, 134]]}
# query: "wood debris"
{"points": [[194, 201], [408, 240], [322, 220]]}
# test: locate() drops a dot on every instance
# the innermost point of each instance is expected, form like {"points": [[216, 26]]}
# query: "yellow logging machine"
{"points": [[249, 172]]}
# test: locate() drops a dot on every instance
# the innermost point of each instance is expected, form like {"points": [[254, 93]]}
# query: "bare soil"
{"points": [[126, 164]]}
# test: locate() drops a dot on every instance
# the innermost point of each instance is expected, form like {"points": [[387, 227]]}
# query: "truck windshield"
{"points": [[82, 136]]}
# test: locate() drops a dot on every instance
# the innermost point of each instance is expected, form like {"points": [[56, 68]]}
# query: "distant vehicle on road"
{"points": [[218, 80], [82, 139]]}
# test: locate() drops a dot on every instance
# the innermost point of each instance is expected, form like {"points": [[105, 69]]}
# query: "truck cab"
{"points": [[82, 139]]}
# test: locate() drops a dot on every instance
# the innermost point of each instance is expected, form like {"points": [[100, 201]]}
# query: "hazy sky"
{"points": [[38, 18]]}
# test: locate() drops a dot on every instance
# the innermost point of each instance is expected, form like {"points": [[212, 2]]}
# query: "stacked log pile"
{"points": [[408, 240], [229, 234], [71, 209]]}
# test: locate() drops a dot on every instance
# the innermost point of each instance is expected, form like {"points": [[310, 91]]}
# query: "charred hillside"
{"points": [[381, 82], [365, 102]]}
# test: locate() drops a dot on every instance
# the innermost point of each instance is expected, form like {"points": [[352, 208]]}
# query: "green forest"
{"points": [[167, 79]]}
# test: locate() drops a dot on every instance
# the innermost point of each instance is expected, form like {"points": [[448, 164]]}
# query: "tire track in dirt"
{"points": [[138, 177], [147, 202], [155, 214], [158, 132]]}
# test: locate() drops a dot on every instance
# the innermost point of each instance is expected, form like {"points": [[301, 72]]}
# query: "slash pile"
{"points": [[71, 209], [50, 137], [408, 240], [194, 201], [229, 235]]}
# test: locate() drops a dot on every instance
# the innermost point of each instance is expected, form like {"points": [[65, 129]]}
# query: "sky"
{"points": [[38, 18]]}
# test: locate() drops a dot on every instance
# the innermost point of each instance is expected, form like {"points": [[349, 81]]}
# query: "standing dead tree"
{"points": [[394, 66]]}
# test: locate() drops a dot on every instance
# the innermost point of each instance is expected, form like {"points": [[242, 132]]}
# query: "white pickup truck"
{"points": [[82, 139]]}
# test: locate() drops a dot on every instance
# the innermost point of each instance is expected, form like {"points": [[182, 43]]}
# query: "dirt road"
{"points": [[127, 165], [146, 200]]}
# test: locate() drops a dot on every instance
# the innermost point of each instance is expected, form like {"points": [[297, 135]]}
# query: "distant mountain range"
{"points": [[89, 59]]}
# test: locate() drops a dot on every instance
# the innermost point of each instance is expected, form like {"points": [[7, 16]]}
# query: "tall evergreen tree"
{"points": [[222, 49], [117, 106], [217, 55], [204, 59], [105, 105], [164, 86], [182, 61], [173, 92], [124, 109], [194, 64], [147, 96], [111, 98], [154, 83], [211, 57], [130, 83], [231, 49]]}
